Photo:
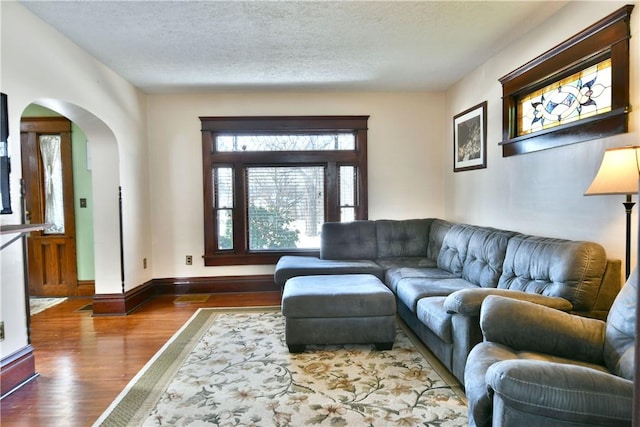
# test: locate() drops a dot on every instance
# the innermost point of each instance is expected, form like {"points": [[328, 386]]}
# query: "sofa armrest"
{"points": [[554, 391], [525, 326], [468, 301]]}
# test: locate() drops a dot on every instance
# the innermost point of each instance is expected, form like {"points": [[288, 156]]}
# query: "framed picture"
{"points": [[470, 139]]}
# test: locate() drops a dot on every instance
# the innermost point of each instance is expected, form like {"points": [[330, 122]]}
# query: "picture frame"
{"points": [[470, 138]]}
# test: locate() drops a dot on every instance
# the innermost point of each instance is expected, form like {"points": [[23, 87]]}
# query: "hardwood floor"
{"points": [[84, 362]]}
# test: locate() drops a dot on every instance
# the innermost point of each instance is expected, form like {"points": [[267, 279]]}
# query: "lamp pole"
{"points": [[628, 206]]}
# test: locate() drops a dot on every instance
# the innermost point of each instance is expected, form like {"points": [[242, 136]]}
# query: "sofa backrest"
{"points": [[454, 248], [609, 289], [568, 269], [439, 229], [485, 256], [475, 253], [348, 240], [620, 335], [402, 238]]}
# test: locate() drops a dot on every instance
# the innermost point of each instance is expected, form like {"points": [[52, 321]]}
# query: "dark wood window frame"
{"points": [[607, 38], [332, 160]]}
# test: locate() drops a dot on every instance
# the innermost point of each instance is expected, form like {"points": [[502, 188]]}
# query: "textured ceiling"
{"points": [[188, 46]]}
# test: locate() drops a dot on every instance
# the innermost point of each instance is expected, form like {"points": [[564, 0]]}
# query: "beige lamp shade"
{"points": [[618, 173]]}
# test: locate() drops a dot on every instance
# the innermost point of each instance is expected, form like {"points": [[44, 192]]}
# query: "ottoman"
{"points": [[338, 309]]}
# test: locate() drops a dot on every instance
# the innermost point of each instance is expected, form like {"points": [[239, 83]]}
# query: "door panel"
{"points": [[47, 172]]}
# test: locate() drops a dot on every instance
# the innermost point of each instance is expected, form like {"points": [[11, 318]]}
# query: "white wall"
{"points": [[542, 192], [404, 153], [39, 65]]}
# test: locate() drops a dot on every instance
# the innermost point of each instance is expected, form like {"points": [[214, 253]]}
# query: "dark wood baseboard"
{"points": [[17, 369], [86, 288], [215, 285], [122, 304]]}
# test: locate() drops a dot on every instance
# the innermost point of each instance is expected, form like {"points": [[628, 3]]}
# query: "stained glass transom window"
{"points": [[578, 96]]}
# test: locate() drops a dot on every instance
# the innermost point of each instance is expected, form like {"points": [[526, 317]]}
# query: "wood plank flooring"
{"points": [[84, 362]]}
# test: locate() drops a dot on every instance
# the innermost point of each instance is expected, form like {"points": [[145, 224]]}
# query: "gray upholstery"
{"points": [[349, 241], [454, 249], [441, 272], [388, 264], [291, 266], [476, 254], [338, 309], [439, 229], [620, 334], [412, 290], [352, 295], [486, 251], [541, 367], [438, 321], [394, 276], [554, 267], [397, 239]]}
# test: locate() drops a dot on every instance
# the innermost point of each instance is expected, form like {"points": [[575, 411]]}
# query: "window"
{"points": [[575, 92], [584, 94], [270, 183]]}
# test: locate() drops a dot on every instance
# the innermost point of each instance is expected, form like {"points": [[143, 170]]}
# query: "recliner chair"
{"points": [[542, 367]]}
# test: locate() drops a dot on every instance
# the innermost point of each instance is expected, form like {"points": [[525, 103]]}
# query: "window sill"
{"points": [[263, 258], [600, 126]]}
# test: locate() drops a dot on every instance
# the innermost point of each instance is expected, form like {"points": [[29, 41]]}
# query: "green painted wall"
{"points": [[82, 190], [84, 216]]}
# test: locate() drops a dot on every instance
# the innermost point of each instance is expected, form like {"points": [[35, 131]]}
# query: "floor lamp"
{"points": [[618, 174]]}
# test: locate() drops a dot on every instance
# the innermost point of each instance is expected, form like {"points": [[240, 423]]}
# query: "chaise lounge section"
{"points": [[440, 272]]}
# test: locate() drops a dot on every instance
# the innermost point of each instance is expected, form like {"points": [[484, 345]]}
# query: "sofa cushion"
{"points": [[432, 314], [290, 266], [405, 238], [486, 250], [439, 229], [568, 269], [411, 290], [393, 276], [405, 262], [620, 335], [454, 248], [353, 240]]}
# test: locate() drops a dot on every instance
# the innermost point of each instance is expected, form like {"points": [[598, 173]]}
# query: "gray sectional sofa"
{"points": [[440, 272]]}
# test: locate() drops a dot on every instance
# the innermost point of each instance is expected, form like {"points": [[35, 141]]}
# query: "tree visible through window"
{"points": [[271, 182]]}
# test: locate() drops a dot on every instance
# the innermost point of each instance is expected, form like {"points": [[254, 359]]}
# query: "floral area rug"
{"points": [[234, 369]]}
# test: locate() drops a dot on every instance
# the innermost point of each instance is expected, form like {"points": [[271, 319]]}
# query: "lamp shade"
{"points": [[619, 172]]}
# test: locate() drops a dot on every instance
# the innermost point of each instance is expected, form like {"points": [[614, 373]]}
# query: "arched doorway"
{"points": [[56, 178], [103, 159]]}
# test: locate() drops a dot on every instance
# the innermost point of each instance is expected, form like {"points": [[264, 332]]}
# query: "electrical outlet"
{"points": [[189, 260], [144, 263], [1, 331]]}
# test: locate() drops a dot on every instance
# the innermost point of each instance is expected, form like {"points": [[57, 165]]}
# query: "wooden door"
{"points": [[47, 174]]}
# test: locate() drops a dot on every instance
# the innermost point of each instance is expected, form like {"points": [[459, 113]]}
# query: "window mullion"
{"points": [[332, 196], [240, 209], [362, 199]]}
